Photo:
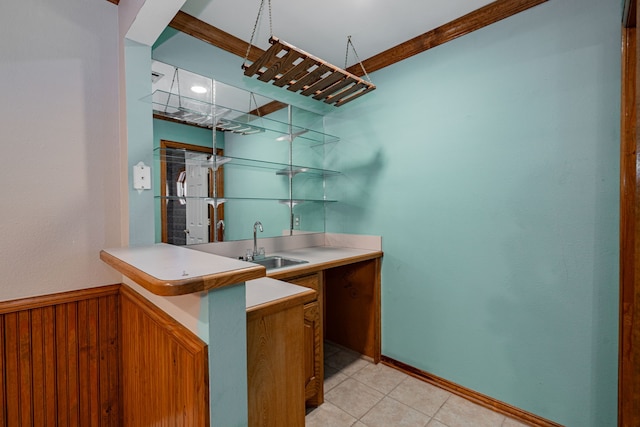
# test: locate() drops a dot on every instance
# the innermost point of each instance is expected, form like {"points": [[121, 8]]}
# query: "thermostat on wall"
{"points": [[141, 177]]}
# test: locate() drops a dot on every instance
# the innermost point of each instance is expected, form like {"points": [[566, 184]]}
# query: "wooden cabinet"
{"points": [[350, 293], [313, 341], [313, 355], [275, 373]]}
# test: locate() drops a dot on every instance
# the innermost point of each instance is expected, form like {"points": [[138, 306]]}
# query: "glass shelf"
{"points": [[201, 113], [174, 155], [225, 199]]}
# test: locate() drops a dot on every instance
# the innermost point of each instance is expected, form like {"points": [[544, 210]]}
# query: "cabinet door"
{"points": [[313, 355], [275, 347], [313, 339]]}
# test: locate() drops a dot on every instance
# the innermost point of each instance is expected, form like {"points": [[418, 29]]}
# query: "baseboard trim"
{"points": [[479, 398]]}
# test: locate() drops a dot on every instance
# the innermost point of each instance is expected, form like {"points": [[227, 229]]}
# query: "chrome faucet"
{"points": [[257, 225]]}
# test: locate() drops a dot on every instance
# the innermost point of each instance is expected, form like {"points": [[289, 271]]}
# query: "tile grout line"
{"points": [[355, 360], [440, 407], [387, 395]]}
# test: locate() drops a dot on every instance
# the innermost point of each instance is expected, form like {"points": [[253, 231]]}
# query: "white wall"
{"points": [[60, 164]]}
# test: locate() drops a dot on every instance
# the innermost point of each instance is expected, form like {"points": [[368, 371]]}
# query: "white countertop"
{"points": [[173, 270], [264, 290], [171, 263], [320, 255]]}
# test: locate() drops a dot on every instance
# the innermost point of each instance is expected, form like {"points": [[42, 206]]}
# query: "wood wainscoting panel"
{"points": [[59, 359], [165, 378], [629, 306]]}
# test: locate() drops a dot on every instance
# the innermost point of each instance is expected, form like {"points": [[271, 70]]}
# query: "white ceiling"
{"points": [[321, 27]]}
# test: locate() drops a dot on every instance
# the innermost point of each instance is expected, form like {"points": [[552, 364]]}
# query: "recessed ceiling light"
{"points": [[198, 89]]}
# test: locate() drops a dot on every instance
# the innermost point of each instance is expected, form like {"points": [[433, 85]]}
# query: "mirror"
{"points": [[260, 164]]}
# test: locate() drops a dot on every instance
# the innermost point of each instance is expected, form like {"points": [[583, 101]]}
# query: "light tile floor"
{"points": [[361, 394]]}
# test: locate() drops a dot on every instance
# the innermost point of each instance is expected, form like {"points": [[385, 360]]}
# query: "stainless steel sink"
{"points": [[272, 262]]}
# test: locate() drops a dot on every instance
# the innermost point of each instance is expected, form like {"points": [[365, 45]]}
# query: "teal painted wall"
{"points": [[490, 167], [228, 398]]}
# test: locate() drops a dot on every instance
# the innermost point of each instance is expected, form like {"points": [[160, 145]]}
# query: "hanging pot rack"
{"points": [[285, 65]]}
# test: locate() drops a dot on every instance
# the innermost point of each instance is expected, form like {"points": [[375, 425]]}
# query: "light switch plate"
{"points": [[141, 177]]}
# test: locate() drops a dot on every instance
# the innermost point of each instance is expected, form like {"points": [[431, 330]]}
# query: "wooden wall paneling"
{"points": [[632, 383], [73, 391], [629, 335], [24, 368], [49, 365], [94, 361], [62, 390], [113, 357], [109, 374], [55, 300], [103, 384], [3, 380], [51, 369], [38, 366], [131, 319], [165, 363], [84, 370], [11, 363]]}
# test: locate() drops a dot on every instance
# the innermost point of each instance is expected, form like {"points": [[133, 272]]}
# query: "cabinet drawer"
{"points": [[311, 281]]}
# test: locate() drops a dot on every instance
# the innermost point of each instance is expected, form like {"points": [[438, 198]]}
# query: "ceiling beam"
{"points": [[208, 33], [268, 108], [114, 1], [479, 18]]}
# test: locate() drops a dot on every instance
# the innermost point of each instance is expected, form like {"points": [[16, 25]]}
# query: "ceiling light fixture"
{"points": [[198, 89]]}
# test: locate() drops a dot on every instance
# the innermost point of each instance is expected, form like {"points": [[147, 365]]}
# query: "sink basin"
{"points": [[272, 262]]}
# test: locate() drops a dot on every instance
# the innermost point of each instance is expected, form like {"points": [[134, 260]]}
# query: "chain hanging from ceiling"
{"points": [[287, 66]]}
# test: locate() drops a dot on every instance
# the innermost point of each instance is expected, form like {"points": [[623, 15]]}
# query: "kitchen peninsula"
{"points": [[207, 284]]}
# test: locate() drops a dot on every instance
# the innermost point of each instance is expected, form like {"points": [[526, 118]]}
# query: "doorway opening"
{"points": [[185, 215]]}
